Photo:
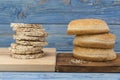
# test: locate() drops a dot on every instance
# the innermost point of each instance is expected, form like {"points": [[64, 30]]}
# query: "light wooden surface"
{"points": [[46, 63]]}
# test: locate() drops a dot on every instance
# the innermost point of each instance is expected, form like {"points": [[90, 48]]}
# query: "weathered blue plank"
{"points": [[58, 76], [5, 29], [59, 42], [58, 11], [53, 29], [61, 17], [57, 36]]}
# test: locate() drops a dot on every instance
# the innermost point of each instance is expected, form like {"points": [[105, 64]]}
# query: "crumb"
{"points": [[79, 61]]}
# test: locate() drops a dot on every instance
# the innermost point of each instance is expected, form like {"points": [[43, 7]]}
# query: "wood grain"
{"points": [[64, 64], [58, 76], [46, 63], [50, 11]]}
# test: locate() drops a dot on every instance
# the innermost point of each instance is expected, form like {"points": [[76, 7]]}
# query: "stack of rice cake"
{"points": [[30, 39], [93, 40]]}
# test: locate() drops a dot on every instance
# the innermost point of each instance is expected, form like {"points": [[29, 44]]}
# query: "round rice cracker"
{"points": [[24, 52], [24, 37], [28, 56], [23, 25], [21, 49], [31, 43], [33, 34], [26, 29]]}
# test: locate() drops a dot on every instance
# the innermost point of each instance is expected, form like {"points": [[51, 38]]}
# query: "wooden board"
{"points": [[46, 63], [64, 64]]}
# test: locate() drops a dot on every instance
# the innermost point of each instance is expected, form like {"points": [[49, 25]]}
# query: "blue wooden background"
{"points": [[55, 16]]}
